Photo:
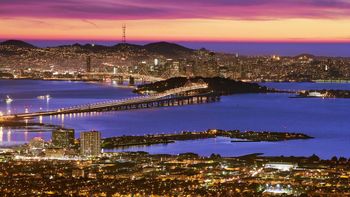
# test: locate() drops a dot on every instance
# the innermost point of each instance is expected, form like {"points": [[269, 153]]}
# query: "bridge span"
{"points": [[189, 94], [121, 76]]}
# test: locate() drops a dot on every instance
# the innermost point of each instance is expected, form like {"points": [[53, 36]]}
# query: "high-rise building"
{"points": [[63, 138], [36, 146], [88, 64], [90, 143]]}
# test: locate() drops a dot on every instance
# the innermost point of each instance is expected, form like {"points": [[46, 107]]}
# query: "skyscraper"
{"points": [[90, 143], [88, 64], [63, 138]]}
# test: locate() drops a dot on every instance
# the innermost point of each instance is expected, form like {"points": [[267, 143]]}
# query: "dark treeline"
{"points": [[218, 85]]}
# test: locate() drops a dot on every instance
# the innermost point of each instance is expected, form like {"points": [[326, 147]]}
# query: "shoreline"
{"points": [[338, 81], [44, 80], [239, 136]]}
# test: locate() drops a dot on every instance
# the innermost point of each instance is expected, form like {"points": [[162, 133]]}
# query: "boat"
{"points": [[8, 100], [43, 97]]}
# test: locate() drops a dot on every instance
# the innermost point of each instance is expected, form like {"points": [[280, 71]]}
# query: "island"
{"points": [[218, 85], [324, 94], [29, 126], [239, 136]]}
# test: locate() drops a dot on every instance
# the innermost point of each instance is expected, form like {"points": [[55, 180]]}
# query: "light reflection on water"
{"points": [[324, 119], [1, 135]]}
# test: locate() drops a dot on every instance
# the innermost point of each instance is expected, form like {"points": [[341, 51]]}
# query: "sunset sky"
{"points": [[177, 20]]}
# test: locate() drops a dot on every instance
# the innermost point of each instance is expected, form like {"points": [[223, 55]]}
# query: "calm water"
{"points": [[325, 119]]}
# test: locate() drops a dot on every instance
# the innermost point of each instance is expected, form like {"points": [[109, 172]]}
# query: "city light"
{"points": [[174, 98]]}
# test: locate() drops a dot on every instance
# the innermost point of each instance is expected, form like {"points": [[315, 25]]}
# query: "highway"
{"points": [[112, 103]]}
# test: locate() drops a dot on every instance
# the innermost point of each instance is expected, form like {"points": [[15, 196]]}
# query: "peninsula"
{"points": [[218, 85], [325, 93], [246, 136]]}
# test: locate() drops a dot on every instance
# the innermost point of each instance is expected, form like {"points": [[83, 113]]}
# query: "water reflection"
{"points": [[9, 135], [1, 135], [8, 108], [25, 134], [326, 120]]}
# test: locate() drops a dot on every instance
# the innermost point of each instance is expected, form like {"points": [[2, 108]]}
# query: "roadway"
{"points": [[112, 103]]}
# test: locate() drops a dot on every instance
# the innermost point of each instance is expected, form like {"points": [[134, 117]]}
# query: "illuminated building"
{"points": [[36, 143], [282, 166], [63, 138], [90, 143], [316, 94], [78, 173], [54, 152]]}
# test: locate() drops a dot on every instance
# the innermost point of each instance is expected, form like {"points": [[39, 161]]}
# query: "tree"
{"points": [[334, 159], [314, 158]]}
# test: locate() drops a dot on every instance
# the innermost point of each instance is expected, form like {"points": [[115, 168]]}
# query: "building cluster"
{"points": [[141, 174], [66, 166], [63, 145], [76, 60]]}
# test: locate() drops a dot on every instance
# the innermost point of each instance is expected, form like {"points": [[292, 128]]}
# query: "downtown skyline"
{"points": [[174, 98], [221, 21]]}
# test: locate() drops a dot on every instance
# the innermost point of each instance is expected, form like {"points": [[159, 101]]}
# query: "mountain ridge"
{"points": [[163, 48], [17, 43]]}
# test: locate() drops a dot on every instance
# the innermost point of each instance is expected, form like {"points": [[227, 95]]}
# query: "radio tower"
{"points": [[124, 34]]}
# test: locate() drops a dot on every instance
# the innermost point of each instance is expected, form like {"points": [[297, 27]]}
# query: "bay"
{"points": [[325, 119]]}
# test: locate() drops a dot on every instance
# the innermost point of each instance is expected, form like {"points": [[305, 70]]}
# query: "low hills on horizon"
{"points": [[162, 47], [17, 43]]}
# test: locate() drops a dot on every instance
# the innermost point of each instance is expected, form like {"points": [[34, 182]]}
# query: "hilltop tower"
{"points": [[124, 34]]}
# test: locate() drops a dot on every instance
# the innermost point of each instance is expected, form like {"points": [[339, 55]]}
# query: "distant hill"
{"points": [[167, 49], [121, 46], [218, 85], [162, 48], [305, 55], [17, 43], [89, 47]]}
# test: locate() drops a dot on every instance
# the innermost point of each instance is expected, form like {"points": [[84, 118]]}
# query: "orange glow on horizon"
{"points": [[195, 30]]}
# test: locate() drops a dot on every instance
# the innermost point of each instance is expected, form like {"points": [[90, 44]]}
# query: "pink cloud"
{"points": [[179, 9]]}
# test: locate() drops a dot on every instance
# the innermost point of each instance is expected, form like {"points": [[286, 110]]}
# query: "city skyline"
{"points": [[254, 21], [174, 98]]}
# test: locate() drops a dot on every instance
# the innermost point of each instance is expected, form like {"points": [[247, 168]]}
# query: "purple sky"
{"points": [[175, 9], [177, 20]]}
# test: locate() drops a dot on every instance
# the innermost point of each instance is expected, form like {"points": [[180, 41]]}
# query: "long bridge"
{"points": [[120, 73], [121, 76], [191, 93]]}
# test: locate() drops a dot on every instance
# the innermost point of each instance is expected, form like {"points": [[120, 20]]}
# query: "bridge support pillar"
{"points": [[131, 81], [120, 80]]}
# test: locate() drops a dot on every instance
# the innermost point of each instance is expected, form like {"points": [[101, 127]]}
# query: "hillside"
{"points": [[169, 50], [218, 85], [17, 43]]}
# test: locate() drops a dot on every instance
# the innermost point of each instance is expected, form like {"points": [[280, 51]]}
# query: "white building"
{"points": [[282, 166]]}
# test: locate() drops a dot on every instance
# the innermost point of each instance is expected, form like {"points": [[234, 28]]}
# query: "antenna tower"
{"points": [[124, 34]]}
